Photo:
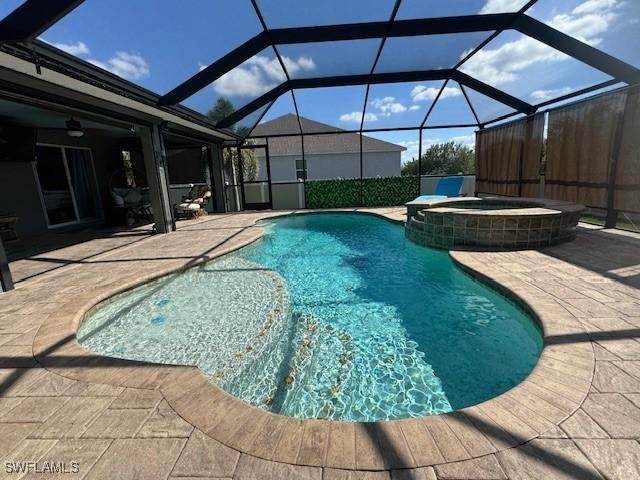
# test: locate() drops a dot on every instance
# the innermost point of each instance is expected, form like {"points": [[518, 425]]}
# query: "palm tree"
{"points": [[250, 165]]}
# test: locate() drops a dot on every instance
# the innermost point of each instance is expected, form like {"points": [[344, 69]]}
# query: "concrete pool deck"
{"points": [[576, 416]]}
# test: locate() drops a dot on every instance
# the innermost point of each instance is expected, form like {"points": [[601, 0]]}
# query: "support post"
{"points": [[612, 214], [266, 154], [6, 281], [475, 192], [217, 178], [304, 165], [155, 164], [527, 126], [241, 173], [419, 162], [361, 174]]}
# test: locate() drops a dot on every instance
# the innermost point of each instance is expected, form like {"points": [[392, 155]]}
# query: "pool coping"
{"points": [[555, 388]]}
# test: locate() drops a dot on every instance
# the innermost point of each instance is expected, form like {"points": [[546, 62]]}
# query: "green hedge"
{"points": [[377, 192]]}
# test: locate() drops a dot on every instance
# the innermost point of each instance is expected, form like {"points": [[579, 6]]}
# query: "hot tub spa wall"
{"points": [[496, 229]]}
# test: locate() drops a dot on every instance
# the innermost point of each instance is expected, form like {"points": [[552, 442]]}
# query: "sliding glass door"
{"points": [[67, 183]]}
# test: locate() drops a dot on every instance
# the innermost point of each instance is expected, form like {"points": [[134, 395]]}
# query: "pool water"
{"points": [[332, 316]]}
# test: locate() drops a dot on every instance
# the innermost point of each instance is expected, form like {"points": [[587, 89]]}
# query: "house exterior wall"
{"points": [[19, 194], [19, 197], [335, 165]]}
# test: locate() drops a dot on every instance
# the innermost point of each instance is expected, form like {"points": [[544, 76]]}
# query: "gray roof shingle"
{"points": [[329, 143]]}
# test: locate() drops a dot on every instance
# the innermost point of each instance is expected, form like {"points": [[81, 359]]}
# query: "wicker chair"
{"points": [[194, 204]]}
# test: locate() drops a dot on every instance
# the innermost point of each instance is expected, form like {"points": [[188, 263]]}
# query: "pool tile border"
{"points": [[552, 392]]}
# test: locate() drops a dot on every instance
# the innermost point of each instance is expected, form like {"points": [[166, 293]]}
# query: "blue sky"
{"points": [[160, 43]]}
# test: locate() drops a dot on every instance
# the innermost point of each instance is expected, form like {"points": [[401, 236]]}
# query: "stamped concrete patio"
{"points": [[576, 416]]}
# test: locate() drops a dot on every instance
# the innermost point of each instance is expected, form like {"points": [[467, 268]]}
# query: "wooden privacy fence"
{"points": [[592, 154]]}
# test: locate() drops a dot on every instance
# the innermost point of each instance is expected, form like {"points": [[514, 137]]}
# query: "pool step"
{"points": [[276, 379], [263, 336]]}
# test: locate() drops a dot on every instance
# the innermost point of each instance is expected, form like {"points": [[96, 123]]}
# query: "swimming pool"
{"points": [[332, 316]]}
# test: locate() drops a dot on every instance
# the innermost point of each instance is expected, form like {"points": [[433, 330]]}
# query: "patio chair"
{"points": [[447, 187], [131, 201], [194, 204]]}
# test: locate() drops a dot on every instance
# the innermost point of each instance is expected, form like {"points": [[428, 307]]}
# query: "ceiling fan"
{"points": [[75, 129]]}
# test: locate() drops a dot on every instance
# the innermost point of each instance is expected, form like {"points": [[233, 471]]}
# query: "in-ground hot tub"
{"points": [[509, 223]]}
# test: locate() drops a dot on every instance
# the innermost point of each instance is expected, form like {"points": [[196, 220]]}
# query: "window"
{"points": [[301, 169]]}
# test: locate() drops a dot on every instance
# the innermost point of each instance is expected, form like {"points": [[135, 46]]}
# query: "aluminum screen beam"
{"points": [[215, 70], [34, 17], [395, 77], [591, 56], [581, 51], [492, 92], [399, 28], [327, 33]]}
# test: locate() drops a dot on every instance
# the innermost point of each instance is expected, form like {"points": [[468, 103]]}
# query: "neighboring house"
{"points": [[327, 156]]}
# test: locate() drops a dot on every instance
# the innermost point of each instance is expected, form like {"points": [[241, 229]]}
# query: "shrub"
{"points": [[376, 192]]}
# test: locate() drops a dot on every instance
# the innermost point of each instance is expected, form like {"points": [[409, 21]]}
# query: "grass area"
{"points": [[621, 224], [592, 219], [632, 227]]}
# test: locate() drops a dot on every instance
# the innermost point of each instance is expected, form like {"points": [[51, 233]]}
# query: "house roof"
{"points": [[316, 144]]}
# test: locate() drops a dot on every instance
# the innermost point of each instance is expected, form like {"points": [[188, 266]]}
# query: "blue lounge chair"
{"points": [[447, 187]]}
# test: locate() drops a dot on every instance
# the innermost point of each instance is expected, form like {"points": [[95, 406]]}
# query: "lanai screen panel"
{"points": [[529, 70], [241, 85], [399, 105], [155, 44], [450, 107], [296, 13], [485, 108], [288, 171], [427, 52], [331, 107], [283, 110], [244, 126], [383, 156], [8, 6], [160, 44], [611, 25], [327, 59], [410, 9]]}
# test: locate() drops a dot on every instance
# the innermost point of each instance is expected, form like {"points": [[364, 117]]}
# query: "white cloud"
{"points": [[388, 106], [502, 6], [594, 6], [356, 117], [258, 75], [305, 63], [77, 49], [125, 65], [503, 65], [542, 95], [420, 93], [414, 107], [411, 151]]}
